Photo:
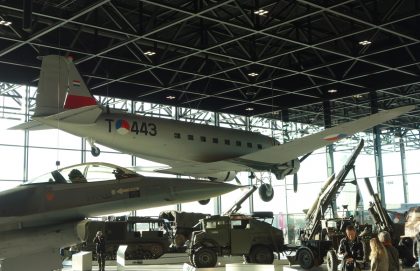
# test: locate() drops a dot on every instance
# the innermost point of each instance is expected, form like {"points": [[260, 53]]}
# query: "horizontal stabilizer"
{"points": [[31, 126], [82, 115]]}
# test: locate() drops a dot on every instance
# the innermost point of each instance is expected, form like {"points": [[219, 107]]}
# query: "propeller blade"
{"points": [[305, 156], [295, 182]]}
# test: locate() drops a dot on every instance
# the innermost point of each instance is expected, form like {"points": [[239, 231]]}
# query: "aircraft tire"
{"points": [[266, 192], [95, 151], [204, 201]]}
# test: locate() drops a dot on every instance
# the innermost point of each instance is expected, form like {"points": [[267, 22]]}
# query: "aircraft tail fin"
{"points": [[60, 87]]}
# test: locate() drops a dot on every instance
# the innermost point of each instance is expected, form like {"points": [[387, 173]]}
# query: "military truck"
{"points": [[146, 237], [182, 224], [235, 235]]}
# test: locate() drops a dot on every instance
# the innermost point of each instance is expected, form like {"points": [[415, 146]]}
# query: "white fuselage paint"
{"points": [[168, 141]]}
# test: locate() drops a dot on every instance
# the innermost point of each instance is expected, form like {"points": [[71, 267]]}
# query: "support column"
{"points": [[329, 151], [403, 167], [250, 181], [26, 137], [218, 201], [377, 147]]}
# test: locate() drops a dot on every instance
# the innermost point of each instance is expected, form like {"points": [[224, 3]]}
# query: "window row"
{"points": [[215, 140]]}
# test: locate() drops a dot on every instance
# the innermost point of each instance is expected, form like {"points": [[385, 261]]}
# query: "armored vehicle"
{"points": [[253, 238], [146, 237]]}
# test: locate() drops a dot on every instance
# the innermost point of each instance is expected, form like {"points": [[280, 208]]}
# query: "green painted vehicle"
{"points": [[235, 235]]}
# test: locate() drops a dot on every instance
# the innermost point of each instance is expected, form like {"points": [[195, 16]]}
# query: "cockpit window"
{"points": [[91, 172]]}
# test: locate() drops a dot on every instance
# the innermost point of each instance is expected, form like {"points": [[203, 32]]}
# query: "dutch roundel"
{"points": [[122, 126]]}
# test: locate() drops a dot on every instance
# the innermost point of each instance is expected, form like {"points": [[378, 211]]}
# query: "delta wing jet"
{"points": [[188, 149], [41, 216]]}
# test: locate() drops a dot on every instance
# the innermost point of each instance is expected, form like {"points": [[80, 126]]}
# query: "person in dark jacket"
{"points": [[393, 255], [99, 241], [351, 249], [416, 249]]}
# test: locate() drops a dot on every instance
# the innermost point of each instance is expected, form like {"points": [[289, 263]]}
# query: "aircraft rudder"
{"points": [[78, 94]]}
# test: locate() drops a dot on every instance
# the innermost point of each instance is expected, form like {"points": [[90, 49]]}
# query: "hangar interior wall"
{"points": [[25, 155]]}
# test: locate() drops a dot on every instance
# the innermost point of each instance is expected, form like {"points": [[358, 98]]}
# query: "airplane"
{"points": [[39, 217], [63, 101]]}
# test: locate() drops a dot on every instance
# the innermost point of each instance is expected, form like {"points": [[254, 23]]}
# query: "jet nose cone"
{"points": [[191, 190]]}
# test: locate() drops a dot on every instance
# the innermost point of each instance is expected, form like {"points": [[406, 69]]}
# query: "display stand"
{"points": [[82, 261], [121, 257]]}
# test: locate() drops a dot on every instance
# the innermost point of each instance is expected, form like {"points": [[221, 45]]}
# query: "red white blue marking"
{"points": [[76, 83], [122, 126], [335, 137]]}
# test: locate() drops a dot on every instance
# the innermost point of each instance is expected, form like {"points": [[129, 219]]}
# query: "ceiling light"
{"points": [[253, 74], [364, 42], [261, 12], [249, 109], [332, 91], [5, 23], [357, 96], [149, 53], [170, 97]]}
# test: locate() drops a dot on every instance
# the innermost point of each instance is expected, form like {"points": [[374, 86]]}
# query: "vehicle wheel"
{"points": [[95, 151], [266, 192], [332, 260], [204, 257], [156, 250], [261, 254], [305, 258]]}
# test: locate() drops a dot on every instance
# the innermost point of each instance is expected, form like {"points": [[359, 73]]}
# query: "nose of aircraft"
{"points": [[200, 189]]}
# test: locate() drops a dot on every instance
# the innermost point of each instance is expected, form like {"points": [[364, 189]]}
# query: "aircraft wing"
{"points": [[283, 153]]}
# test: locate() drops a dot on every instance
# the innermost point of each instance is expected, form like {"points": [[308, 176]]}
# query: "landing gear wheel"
{"points": [[261, 255], [204, 201], [332, 260], [266, 192], [204, 257], [95, 151], [305, 258]]}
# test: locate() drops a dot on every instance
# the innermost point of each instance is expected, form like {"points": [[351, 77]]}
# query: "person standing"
{"points": [[378, 256], [352, 250], [99, 241], [416, 249], [393, 255]]}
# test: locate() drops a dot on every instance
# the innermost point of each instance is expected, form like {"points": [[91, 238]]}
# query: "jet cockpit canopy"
{"points": [[86, 172]]}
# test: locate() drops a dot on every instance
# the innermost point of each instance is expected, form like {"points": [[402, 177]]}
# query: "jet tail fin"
{"points": [[60, 87]]}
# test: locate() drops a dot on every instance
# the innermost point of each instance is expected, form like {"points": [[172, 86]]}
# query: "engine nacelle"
{"points": [[225, 176], [285, 169]]}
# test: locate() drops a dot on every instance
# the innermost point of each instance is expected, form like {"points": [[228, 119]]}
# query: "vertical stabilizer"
{"points": [[60, 87]]}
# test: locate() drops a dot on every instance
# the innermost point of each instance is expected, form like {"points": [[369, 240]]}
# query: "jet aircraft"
{"points": [[41, 216], [63, 101]]}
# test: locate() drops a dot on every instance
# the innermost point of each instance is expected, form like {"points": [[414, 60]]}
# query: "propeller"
{"points": [[295, 176]]}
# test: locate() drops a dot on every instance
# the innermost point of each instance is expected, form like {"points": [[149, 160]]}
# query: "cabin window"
{"points": [[190, 137], [215, 140], [203, 138], [227, 142], [249, 145], [238, 143], [177, 135], [259, 146]]}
